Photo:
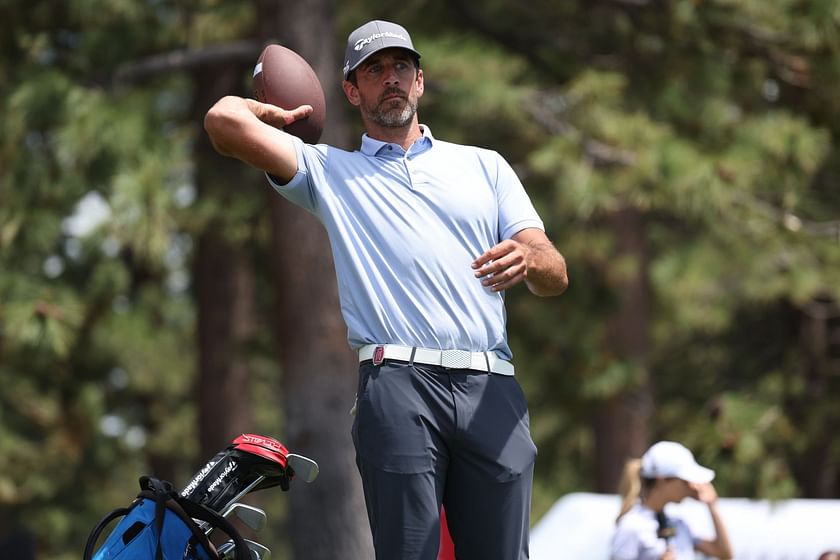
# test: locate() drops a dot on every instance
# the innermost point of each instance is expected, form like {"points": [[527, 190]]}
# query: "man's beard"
{"points": [[393, 117]]}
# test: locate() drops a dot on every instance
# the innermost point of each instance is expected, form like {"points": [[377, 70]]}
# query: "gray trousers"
{"points": [[427, 436]]}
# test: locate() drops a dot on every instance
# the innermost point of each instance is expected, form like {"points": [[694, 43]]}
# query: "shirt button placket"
{"points": [[408, 171]]}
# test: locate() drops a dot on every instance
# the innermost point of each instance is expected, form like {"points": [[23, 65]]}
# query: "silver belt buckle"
{"points": [[456, 359]]}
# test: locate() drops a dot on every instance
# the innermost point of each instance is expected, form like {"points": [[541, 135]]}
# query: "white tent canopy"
{"points": [[579, 527]]}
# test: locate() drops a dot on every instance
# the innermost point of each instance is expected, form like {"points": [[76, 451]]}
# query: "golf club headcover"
{"points": [[251, 462]]}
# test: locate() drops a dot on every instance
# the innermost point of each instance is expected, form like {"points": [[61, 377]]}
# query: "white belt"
{"points": [[450, 359]]}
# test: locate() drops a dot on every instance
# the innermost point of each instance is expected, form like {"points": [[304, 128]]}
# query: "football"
{"points": [[283, 78]]}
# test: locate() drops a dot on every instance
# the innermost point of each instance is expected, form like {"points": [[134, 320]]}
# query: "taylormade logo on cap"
{"points": [[372, 37], [360, 44]]}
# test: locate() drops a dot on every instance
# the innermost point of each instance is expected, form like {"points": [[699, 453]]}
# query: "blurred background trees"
{"points": [[157, 299]]}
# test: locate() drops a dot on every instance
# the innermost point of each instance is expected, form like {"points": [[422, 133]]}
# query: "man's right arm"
{"points": [[252, 132]]}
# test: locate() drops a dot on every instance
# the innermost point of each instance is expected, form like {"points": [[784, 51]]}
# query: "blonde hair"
{"points": [[630, 485]]}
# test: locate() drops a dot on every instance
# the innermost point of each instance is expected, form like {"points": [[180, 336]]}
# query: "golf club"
{"points": [[302, 467], [252, 517], [258, 552]]}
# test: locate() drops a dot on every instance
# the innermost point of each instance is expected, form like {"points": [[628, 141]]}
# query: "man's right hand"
{"points": [[276, 116], [252, 132]]}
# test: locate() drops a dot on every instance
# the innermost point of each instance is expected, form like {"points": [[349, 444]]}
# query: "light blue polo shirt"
{"points": [[404, 228]]}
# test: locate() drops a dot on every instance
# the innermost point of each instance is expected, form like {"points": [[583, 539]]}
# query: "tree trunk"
{"points": [[819, 339], [223, 285], [622, 425], [328, 518], [319, 379]]}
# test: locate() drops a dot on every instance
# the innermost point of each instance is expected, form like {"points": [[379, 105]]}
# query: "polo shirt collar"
{"points": [[372, 147]]}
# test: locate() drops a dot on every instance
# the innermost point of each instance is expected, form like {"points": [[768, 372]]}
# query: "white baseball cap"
{"points": [[671, 459]]}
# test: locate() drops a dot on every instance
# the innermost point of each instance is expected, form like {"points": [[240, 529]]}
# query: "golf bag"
{"points": [[160, 525]]}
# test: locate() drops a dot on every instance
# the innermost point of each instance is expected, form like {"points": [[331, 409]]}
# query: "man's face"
{"points": [[388, 85]]}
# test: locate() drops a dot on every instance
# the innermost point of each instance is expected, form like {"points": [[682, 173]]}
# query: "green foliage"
{"points": [[96, 330]]}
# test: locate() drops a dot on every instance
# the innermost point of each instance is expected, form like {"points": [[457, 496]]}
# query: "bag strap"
{"points": [[188, 510], [94, 535], [158, 491]]}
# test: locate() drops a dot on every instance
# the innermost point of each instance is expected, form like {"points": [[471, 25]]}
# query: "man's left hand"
{"points": [[503, 266], [528, 256]]}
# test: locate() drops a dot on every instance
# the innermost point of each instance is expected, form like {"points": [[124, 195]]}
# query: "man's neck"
{"points": [[404, 136]]}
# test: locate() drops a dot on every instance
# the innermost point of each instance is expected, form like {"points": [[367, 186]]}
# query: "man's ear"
{"points": [[420, 83], [351, 92]]}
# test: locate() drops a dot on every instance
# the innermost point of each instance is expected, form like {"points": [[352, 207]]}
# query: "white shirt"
{"points": [[635, 537]]}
